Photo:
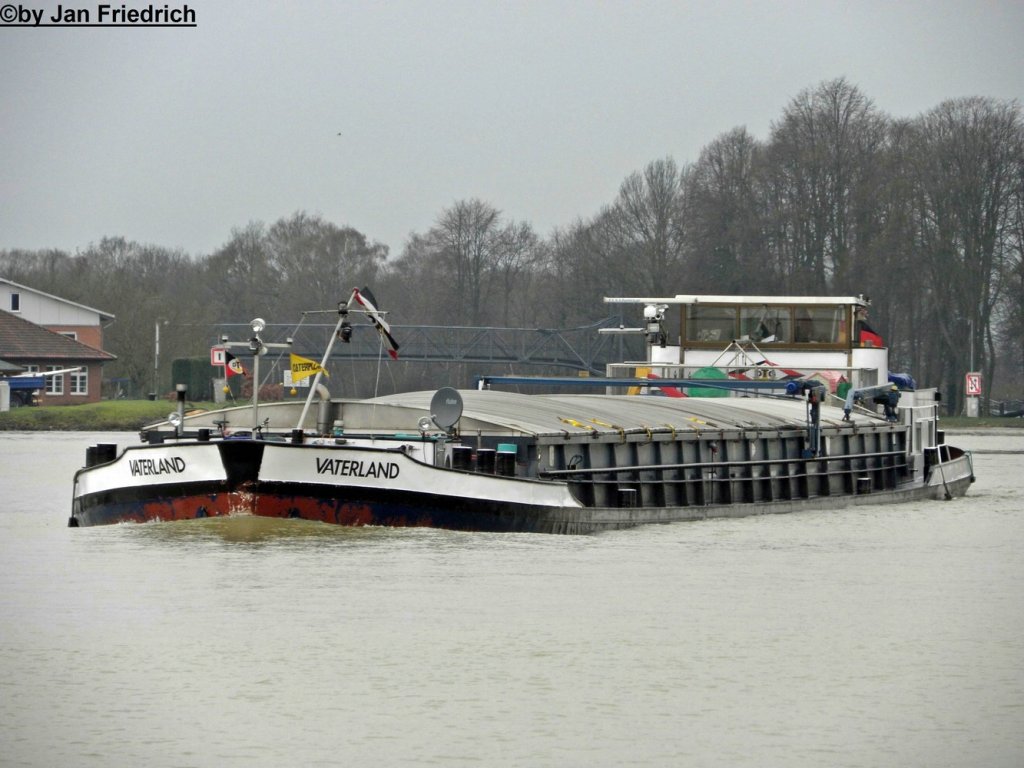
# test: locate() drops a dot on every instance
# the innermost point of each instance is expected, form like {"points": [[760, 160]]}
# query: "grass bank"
{"points": [[105, 416]]}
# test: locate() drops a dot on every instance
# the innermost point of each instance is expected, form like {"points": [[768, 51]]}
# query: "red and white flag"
{"points": [[366, 300], [233, 366]]}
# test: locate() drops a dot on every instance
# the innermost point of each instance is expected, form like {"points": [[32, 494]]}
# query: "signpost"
{"points": [[218, 358], [258, 347], [972, 389]]}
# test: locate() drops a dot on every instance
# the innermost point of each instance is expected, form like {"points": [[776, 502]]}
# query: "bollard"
{"points": [[462, 457], [485, 460]]}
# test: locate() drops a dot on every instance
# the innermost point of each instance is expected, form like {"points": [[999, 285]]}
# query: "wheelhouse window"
{"points": [[793, 325], [80, 382], [54, 384], [820, 325], [765, 325], [710, 323]]}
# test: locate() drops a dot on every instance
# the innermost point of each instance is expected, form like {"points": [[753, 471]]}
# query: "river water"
{"points": [[876, 636]]}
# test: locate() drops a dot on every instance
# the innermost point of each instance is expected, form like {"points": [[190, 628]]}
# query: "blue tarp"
{"points": [[903, 380], [27, 382]]}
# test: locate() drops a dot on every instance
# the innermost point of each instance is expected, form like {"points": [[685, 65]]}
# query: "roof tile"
{"points": [[22, 340]]}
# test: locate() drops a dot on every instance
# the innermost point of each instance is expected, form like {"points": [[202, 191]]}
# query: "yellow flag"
{"points": [[303, 367]]}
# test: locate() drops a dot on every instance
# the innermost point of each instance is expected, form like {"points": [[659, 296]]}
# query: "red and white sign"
{"points": [[217, 355], [972, 385]]}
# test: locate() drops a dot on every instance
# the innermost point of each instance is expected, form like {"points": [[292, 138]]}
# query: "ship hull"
{"points": [[386, 487]]}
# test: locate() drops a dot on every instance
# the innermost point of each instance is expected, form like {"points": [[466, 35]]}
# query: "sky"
{"points": [[379, 115]]}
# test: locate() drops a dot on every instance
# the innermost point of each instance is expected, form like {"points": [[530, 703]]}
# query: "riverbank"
{"points": [[131, 415], [105, 416]]}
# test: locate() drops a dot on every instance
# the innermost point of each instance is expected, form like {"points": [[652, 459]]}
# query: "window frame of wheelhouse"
{"points": [[798, 325], [841, 312]]}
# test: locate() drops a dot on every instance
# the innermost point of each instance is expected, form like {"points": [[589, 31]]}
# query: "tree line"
{"points": [[924, 215]]}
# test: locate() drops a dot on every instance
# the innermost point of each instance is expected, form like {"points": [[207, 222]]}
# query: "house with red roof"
{"points": [[57, 339]]}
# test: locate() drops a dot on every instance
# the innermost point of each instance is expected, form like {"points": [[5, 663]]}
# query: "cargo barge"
{"points": [[758, 405]]}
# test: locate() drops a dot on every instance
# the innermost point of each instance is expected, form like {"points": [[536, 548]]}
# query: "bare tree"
{"points": [[461, 252], [966, 160], [645, 229], [572, 279], [1012, 325], [45, 270], [318, 262], [241, 276], [517, 255], [725, 214], [823, 155]]}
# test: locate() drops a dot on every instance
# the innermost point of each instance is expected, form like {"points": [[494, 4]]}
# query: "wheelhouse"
{"points": [[688, 333], [802, 325]]}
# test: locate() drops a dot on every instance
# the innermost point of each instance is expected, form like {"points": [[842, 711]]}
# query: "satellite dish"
{"points": [[446, 407]]}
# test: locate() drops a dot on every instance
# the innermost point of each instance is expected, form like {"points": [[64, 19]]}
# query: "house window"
{"points": [[70, 334], [54, 384], [80, 382], [15, 302]]}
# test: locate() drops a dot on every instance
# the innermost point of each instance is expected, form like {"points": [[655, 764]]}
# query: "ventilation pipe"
{"points": [[324, 411]]}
